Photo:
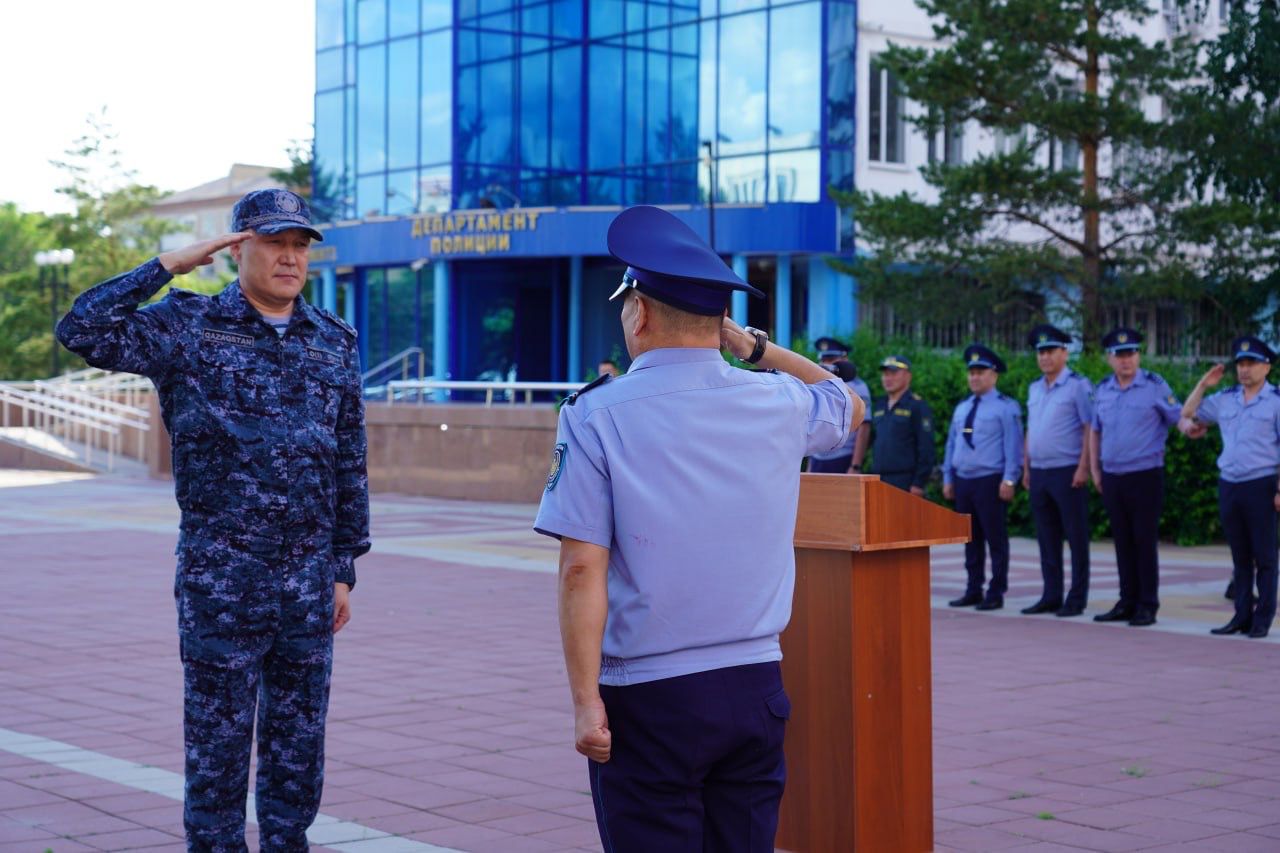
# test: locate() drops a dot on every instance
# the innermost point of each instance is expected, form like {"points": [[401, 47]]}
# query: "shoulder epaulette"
{"points": [[336, 320], [599, 380], [180, 293], [915, 396]]}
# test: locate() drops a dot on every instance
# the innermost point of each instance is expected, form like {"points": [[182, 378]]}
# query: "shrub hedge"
{"points": [[1190, 515]]}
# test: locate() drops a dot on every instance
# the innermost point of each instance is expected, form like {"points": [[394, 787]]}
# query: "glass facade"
{"points": [[428, 105]]}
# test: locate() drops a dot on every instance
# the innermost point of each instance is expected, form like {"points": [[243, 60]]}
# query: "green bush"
{"points": [[1190, 515]]}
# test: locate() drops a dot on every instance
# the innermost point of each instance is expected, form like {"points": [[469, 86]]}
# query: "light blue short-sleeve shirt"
{"points": [[1250, 432], [1134, 422], [688, 471], [997, 440], [1056, 417], [859, 389]]}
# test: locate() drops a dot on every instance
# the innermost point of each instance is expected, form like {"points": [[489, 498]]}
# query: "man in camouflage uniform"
{"points": [[261, 395]]}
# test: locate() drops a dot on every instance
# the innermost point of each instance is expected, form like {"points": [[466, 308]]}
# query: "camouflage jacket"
{"points": [[267, 430]]}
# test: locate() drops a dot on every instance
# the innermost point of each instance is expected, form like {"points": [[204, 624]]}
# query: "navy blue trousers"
{"points": [[980, 498], [1061, 512], [697, 763], [839, 465], [1249, 519], [1133, 503], [899, 479]]}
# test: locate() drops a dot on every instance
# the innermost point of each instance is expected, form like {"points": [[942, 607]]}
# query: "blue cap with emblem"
{"points": [[273, 211], [1247, 346], [666, 260], [895, 362], [1122, 339], [1045, 336], [976, 355], [830, 348]]}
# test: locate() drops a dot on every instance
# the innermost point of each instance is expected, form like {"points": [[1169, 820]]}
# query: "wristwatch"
{"points": [[762, 340], [1007, 483]]}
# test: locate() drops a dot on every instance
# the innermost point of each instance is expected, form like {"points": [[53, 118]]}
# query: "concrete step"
{"points": [[31, 448]]}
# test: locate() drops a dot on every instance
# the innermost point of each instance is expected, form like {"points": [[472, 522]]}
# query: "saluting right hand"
{"points": [[1213, 375], [181, 261]]}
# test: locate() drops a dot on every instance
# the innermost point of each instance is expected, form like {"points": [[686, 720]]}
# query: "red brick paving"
{"points": [[450, 720]]}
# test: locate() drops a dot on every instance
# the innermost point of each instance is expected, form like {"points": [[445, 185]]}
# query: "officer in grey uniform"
{"points": [[673, 493], [979, 472], [1055, 471], [902, 451], [847, 458], [1249, 417], [261, 395], [1133, 410]]}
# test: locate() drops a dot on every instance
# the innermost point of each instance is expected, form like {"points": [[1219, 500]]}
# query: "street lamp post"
{"points": [[54, 260]]}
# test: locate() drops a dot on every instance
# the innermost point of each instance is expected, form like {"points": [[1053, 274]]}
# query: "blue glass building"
{"points": [[469, 155]]}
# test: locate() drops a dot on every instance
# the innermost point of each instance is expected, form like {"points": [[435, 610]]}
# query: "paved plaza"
{"points": [[450, 725]]}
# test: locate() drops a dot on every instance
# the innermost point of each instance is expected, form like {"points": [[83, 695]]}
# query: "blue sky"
{"points": [[190, 86]]}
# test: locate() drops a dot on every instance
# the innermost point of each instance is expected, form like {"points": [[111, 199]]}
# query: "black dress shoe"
{"points": [[1235, 626], [991, 604], [1230, 594], [967, 600], [1259, 631], [1115, 614], [1142, 618], [1041, 606], [1069, 610]]}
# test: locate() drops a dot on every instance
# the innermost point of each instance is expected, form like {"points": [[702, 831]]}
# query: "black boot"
{"points": [[1235, 626]]}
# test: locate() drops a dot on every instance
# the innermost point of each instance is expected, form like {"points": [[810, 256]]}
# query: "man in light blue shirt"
{"points": [[1055, 470], [979, 471], [1133, 410], [673, 491], [1249, 417]]}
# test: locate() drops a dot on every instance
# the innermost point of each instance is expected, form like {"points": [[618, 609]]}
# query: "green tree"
{"points": [[25, 333], [1047, 78]]}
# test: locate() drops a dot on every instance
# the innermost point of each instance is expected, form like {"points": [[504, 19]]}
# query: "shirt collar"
{"points": [[232, 305], [1063, 376], [674, 355]]}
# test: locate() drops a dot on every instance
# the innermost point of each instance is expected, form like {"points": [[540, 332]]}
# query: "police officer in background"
{"points": [[1055, 470], [1249, 417], [261, 395], [902, 452], [979, 471], [673, 492], [847, 458], [1133, 410]]}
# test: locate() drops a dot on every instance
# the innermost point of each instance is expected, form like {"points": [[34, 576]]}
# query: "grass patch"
{"points": [[1045, 816], [1137, 771]]}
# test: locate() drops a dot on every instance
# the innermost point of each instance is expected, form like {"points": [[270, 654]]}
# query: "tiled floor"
{"points": [[450, 725]]}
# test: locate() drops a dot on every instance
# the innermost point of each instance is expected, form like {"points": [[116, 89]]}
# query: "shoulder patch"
{"points": [[915, 396], [598, 381], [557, 465]]}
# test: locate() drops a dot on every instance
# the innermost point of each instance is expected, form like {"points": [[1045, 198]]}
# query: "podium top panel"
{"points": [[856, 512]]}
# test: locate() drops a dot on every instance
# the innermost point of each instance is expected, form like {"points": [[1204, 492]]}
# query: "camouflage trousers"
{"points": [[256, 633]]}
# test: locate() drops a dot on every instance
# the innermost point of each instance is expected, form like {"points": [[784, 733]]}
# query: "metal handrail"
{"points": [[432, 384], [123, 409], [401, 358]]}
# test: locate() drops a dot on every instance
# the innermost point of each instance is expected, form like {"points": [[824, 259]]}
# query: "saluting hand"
{"points": [[184, 260], [1213, 375], [591, 732]]}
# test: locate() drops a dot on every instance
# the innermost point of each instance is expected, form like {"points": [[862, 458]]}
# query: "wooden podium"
{"points": [[856, 664]]}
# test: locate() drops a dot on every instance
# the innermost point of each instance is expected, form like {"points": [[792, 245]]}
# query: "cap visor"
{"points": [[278, 227]]}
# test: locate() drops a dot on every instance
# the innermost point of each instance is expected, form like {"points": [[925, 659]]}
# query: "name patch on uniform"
{"points": [[557, 465], [323, 355], [218, 336], [906, 413]]}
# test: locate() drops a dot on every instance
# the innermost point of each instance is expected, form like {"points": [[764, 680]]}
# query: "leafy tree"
{"points": [[1046, 77], [25, 333]]}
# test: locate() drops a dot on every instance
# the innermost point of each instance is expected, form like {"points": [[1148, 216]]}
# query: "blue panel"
{"points": [[329, 69], [534, 118], [659, 40], [606, 18], [684, 40], [402, 112], [469, 118], [633, 141], [435, 189], [659, 15], [707, 93], [505, 21], [795, 176], [710, 8], [371, 195], [468, 46], [329, 32], [402, 192], [371, 20], [496, 45], [684, 108], [566, 19], [604, 107], [635, 16], [841, 73], [437, 98], [467, 9], [489, 6], [658, 115], [536, 19], [795, 69], [730, 6], [440, 325], [497, 106], [402, 17], [436, 13], [371, 109], [566, 116], [350, 51], [742, 83], [604, 190], [327, 168]]}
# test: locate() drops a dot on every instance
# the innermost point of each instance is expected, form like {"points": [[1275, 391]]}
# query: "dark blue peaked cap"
{"points": [[1247, 346], [1045, 336], [273, 211], [666, 260], [976, 355]]}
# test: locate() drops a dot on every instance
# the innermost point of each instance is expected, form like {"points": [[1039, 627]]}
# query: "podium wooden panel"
{"points": [[856, 663]]}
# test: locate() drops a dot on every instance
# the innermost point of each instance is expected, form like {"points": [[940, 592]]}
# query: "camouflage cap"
{"points": [[272, 211]]}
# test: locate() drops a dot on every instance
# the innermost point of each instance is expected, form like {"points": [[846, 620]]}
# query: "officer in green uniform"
{"points": [[902, 429]]}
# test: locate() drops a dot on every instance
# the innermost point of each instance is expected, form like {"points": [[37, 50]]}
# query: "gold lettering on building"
{"points": [[471, 232]]}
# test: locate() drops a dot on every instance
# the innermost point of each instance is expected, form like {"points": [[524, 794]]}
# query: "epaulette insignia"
{"points": [[915, 396], [599, 380]]}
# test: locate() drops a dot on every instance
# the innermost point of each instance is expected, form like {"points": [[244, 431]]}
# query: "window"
{"points": [[886, 119]]}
